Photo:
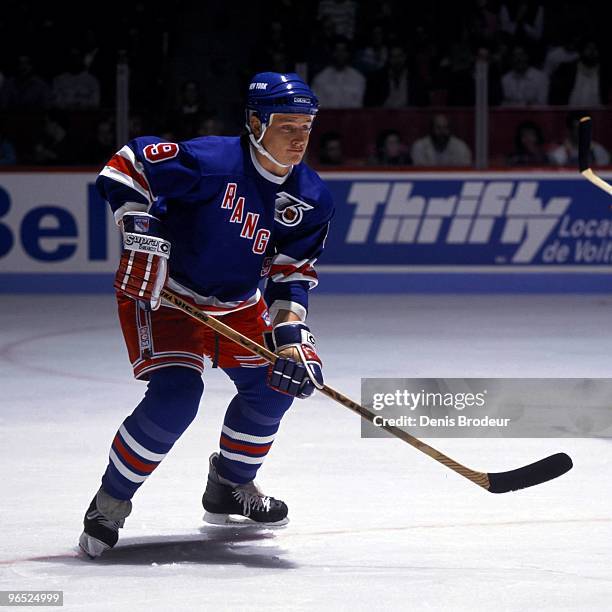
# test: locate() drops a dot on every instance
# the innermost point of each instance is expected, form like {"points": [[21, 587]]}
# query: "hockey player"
{"points": [[210, 218]]}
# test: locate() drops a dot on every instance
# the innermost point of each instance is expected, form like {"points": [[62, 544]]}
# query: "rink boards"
{"points": [[392, 232]]}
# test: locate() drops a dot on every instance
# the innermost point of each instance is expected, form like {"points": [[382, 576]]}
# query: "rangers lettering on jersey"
{"points": [[226, 218]]}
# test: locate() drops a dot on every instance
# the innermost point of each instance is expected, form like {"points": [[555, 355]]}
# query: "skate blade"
{"points": [[92, 547], [236, 520]]}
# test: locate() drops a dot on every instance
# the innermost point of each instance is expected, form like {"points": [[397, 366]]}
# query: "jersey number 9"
{"points": [[160, 151]]}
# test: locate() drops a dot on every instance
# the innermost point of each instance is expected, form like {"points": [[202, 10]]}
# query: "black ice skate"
{"points": [[241, 505], [102, 521]]}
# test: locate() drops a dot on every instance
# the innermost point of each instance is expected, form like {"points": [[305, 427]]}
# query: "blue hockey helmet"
{"points": [[273, 92]]}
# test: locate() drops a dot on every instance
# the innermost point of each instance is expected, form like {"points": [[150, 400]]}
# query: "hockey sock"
{"points": [[145, 437], [250, 425]]}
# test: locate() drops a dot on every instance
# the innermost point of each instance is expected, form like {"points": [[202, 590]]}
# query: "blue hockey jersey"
{"points": [[229, 220]]}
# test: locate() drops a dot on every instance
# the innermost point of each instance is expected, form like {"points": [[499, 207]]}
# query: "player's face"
{"points": [[287, 137]]}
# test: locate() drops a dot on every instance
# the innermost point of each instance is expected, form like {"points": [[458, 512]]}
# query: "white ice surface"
{"points": [[375, 525]]}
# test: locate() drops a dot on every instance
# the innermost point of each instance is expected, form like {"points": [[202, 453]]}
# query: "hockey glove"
{"points": [[143, 268], [298, 377]]}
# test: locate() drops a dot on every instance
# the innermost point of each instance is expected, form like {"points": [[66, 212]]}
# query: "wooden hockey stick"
{"points": [[584, 156], [500, 482]]}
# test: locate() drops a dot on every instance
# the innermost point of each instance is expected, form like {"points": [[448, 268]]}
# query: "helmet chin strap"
{"points": [[256, 142]]}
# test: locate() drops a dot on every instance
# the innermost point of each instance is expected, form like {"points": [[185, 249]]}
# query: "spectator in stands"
{"points": [[458, 70], [522, 20], [76, 88], [562, 53], [210, 125], [190, 99], [529, 149], [136, 126], [390, 150], [8, 157], [497, 57], [280, 62], [90, 48], [167, 133], [103, 146], [52, 145], [320, 48], [8, 93], [393, 86], [374, 55], [581, 83], [388, 13], [295, 16], [31, 91], [330, 149], [340, 85], [425, 60], [524, 85], [440, 147], [271, 43], [342, 13], [276, 39], [105, 139], [100, 60], [189, 109], [566, 154], [484, 22]]}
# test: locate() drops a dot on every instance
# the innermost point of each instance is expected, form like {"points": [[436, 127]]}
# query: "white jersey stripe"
{"points": [[282, 277], [283, 260], [147, 274], [242, 458], [251, 362], [166, 354], [123, 470], [159, 366], [120, 177], [294, 276], [203, 301], [138, 448], [237, 435], [128, 154], [128, 270]]}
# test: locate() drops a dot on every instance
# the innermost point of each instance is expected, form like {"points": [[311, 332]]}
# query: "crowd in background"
{"points": [[441, 148], [189, 63]]}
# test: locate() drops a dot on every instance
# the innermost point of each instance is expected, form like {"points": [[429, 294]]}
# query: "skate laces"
{"points": [[251, 498]]}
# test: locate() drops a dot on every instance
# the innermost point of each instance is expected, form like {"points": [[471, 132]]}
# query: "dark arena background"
{"points": [[465, 246]]}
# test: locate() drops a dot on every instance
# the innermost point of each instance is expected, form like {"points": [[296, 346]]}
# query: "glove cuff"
{"points": [[292, 333], [142, 233]]}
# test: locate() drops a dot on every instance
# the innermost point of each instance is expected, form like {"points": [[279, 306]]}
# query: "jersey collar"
{"points": [[279, 180]]}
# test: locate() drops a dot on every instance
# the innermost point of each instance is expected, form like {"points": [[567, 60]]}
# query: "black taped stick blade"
{"points": [[584, 144], [530, 475]]}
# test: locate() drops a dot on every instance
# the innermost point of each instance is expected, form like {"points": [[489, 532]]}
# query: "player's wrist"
{"points": [[285, 316], [289, 352], [129, 207]]}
